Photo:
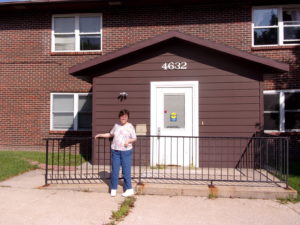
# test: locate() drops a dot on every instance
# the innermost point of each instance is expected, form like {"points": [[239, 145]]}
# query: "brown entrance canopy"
{"points": [[271, 65]]}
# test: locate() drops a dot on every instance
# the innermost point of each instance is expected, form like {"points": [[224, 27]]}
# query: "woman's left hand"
{"points": [[129, 141], [126, 143]]}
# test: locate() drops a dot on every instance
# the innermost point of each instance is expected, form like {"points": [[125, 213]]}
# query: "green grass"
{"points": [[67, 159], [124, 209], [212, 196], [13, 163], [41, 157], [294, 179]]}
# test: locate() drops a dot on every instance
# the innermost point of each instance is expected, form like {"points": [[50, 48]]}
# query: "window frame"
{"points": [[282, 109], [76, 32], [75, 110], [280, 25]]}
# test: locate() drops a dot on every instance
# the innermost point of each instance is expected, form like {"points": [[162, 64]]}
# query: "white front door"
{"points": [[174, 116]]}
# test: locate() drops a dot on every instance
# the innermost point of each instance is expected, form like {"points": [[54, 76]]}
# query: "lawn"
{"points": [[13, 163], [294, 178]]}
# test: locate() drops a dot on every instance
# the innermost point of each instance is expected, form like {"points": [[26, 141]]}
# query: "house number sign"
{"points": [[174, 66]]}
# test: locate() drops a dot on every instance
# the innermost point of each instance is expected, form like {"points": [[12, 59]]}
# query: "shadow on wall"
{"points": [[290, 80], [76, 140]]}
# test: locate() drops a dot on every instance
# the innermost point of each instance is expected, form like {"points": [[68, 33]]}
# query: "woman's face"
{"points": [[123, 119]]}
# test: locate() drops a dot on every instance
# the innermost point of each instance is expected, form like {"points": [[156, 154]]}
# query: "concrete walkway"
{"points": [[185, 210], [24, 201]]}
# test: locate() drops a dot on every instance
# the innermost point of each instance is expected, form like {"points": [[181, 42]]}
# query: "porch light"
{"points": [[122, 96]]}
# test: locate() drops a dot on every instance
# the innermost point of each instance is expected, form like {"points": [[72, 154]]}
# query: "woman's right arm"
{"points": [[105, 135]]}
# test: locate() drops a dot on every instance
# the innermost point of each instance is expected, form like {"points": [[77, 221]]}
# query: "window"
{"points": [[292, 111], [291, 26], [71, 111], [175, 105], [282, 110], [75, 33], [276, 25], [271, 111]]}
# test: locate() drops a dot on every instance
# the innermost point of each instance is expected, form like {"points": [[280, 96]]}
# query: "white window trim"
{"points": [[282, 109], [75, 111], [279, 26], [77, 34]]}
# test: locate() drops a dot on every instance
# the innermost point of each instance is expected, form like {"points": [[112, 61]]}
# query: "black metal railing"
{"points": [[176, 158]]}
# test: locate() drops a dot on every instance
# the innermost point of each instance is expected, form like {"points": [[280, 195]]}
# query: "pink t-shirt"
{"points": [[121, 134]]}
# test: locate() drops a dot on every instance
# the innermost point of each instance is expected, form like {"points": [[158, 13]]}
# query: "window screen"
{"points": [[67, 37], [265, 26], [271, 121], [89, 28], [270, 23], [271, 111], [291, 26], [63, 111], [71, 111], [63, 120], [292, 111], [282, 117], [64, 29], [85, 112]]}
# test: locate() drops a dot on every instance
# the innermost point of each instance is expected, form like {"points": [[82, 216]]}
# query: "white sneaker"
{"points": [[113, 192], [128, 192]]}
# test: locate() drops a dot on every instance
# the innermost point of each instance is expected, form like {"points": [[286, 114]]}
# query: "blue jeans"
{"points": [[121, 158]]}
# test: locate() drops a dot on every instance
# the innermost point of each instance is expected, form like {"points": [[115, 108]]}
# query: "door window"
{"points": [[174, 110]]}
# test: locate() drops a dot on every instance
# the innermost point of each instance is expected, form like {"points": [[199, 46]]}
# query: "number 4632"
{"points": [[174, 66]]}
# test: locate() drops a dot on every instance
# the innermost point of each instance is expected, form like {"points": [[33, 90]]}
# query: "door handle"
{"points": [[158, 131]]}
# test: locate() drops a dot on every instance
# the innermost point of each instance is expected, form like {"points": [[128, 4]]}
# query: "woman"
{"points": [[123, 134]]}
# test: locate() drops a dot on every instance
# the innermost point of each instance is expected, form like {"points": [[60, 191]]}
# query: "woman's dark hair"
{"points": [[124, 112]]}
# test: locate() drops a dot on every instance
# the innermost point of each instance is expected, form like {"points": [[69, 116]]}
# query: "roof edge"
{"points": [[279, 66]]}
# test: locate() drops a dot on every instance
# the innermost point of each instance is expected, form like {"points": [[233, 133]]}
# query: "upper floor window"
{"points": [[75, 33], [276, 26], [71, 111], [282, 110]]}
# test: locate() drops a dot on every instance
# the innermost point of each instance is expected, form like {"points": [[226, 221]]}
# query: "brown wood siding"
{"points": [[221, 101], [229, 90]]}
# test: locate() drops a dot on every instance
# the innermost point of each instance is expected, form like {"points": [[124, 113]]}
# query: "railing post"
{"points": [[104, 157], [140, 163], [287, 163], [46, 174]]}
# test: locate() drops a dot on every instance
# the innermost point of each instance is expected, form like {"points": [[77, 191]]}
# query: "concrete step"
{"points": [[216, 191]]}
